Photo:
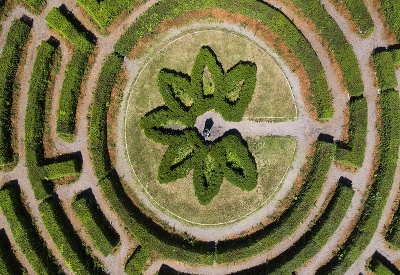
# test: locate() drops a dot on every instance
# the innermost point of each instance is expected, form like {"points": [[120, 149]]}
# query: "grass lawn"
{"points": [[272, 95]]}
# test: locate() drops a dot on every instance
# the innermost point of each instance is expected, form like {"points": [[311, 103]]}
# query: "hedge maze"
{"points": [[125, 124]]}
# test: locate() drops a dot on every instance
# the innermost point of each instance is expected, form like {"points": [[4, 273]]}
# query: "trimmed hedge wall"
{"points": [[341, 48], [70, 91], [98, 117], [247, 246], [360, 237], [24, 231], [96, 224], [62, 169], [137, 261], [393, 233], [66, 239], [105, 11], [384, 67], [149, 234], [9, 60], [36, 5], [353, 152], [60, 22], [313, 240], [391, 9], [360, 15], [34, 119], [268, 16], [9, 264], [381, 266]]}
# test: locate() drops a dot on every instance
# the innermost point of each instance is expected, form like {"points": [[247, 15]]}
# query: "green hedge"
{"points": [[76, 256], [360, 15], [314, 239], [62, 169], [37, 5], [381, 266], [385, 73], [247, 246], [96, 224], [9, 264], [341, 48], [98, 116], [393, 233], [150, 235], [105, 11], [9, 60], [391, 9], [70, 91], [24, 231], [137, 261], [34, 119], [361, 236], [353, 152], [61, 22], [268, 16]]}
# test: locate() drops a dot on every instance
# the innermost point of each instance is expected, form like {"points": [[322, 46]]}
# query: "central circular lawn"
{"points": [[273, 155]]}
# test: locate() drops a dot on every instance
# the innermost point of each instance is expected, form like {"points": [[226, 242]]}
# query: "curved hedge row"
{"points": [[379, 191], [313, 240], [150, 235], [391, 9], [341, 48], [257, 10], [247, 246], [9, 60], [24, 231], [9, 264]]}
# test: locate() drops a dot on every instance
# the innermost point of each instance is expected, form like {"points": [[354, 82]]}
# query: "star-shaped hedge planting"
{"points": [[186, 98]]}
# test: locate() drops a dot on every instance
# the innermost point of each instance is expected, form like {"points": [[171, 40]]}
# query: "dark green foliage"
{"points": [[105, 11], [384, 66], [353, 152], [60, 22], [391, 9], [98, 117], [137, 261], [185, 99], [37, 5], [96, 224], [247, 246], [66, 239], [262, 12], [393, 234], [313, 240], [361, 236], [341, 48], [150, 235], [10, 57], [69, 95], [360, 15], [8, 262], [381, 266], [24, 232], [62, 169], [34, 119]]}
